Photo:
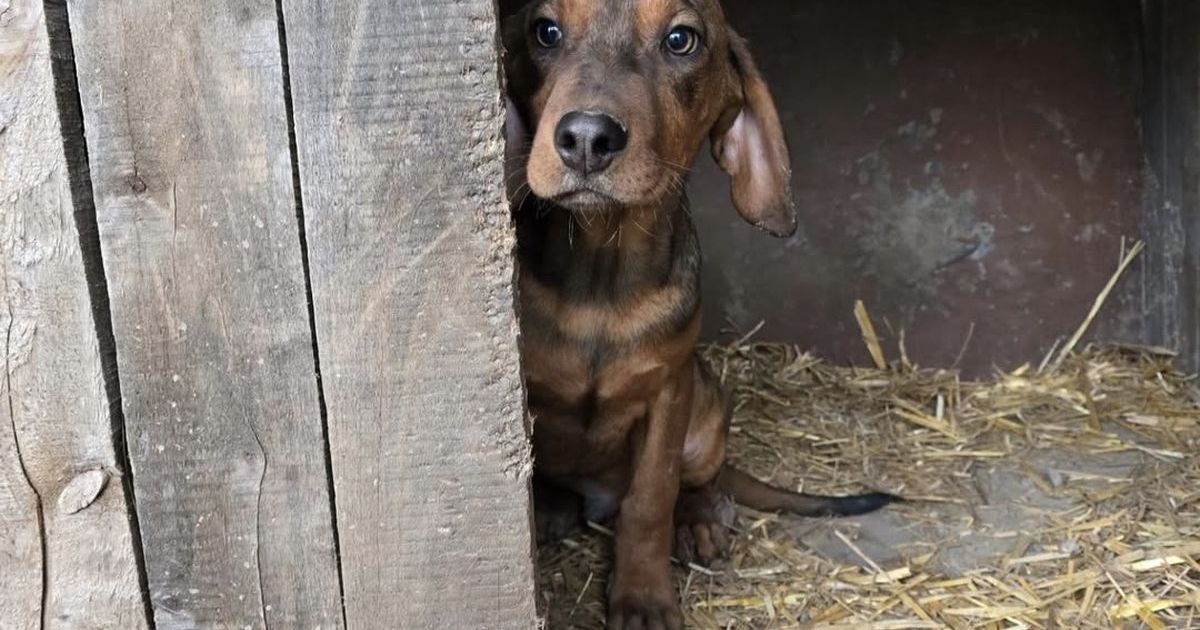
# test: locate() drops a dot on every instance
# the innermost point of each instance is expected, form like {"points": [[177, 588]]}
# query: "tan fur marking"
{"points": [[557, 374], [617, 323], [651, 17], [576, 17]]}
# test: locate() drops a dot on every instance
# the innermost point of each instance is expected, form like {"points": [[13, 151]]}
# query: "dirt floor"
{"points": [[1065, 494]]}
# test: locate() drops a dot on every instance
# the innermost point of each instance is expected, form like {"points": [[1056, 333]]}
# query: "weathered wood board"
{"points": [[66, 551], [186, 126], [398, 122], [1169, 292]]}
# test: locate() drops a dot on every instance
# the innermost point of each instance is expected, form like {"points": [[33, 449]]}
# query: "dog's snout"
{"points": [[588, 142]]}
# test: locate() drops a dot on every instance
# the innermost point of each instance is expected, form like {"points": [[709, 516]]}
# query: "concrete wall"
{"points": [[967, 168]]}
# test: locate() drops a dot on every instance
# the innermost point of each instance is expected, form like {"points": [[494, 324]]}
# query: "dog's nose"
{"points": [[588, 142]]}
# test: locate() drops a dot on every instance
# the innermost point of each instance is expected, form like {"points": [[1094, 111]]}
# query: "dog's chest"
{"points": [[602, 327], [585, 403], [588, 374]]}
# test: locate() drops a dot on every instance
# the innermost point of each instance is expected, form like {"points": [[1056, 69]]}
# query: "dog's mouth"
{"points": [[586, 199], [597, 195]]}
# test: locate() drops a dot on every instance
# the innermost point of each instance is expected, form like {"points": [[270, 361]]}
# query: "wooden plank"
{"points": [[1168, 298], [187, 134], [399, 131], [66, 549]]}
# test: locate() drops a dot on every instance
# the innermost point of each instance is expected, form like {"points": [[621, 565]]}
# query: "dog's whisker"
{"points": [[510, 172], [524, 190], [520, 172], [662, 160], [515, 189], [613, 236]]}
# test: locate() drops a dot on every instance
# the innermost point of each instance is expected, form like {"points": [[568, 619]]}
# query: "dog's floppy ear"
{"points": [[516, 150], [749, 145], [517, 82]]}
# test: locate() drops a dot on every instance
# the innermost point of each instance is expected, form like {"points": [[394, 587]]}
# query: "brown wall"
{"points": [[958, 165]]}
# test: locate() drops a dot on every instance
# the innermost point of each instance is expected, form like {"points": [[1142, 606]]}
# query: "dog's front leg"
{"points": [[642, 596]]}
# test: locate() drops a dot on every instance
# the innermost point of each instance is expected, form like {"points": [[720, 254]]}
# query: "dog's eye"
{"points": [[549, 34], [682, 41]]}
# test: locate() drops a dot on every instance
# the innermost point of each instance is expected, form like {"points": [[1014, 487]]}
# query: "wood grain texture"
{"points": [[1168, 295], [66, 551], [187, 136], [399, 131]]}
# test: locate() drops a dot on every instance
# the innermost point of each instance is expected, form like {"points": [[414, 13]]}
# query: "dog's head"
{"points": [[610, 100]]}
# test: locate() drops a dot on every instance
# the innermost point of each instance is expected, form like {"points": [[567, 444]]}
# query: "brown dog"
{"points": [[610, 101]]}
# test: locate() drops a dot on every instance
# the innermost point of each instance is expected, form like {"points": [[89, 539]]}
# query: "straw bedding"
{"points": [[1063, 494], [1088, 547]]}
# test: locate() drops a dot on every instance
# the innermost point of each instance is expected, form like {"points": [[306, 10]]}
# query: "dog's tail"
{"points": [[752, 493]]}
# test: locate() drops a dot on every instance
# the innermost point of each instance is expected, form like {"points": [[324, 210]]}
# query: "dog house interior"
{"points": [[967, 169], [974, 172]]}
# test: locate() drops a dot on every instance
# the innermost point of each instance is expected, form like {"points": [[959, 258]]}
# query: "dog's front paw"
{"points": [[646, 608]]}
